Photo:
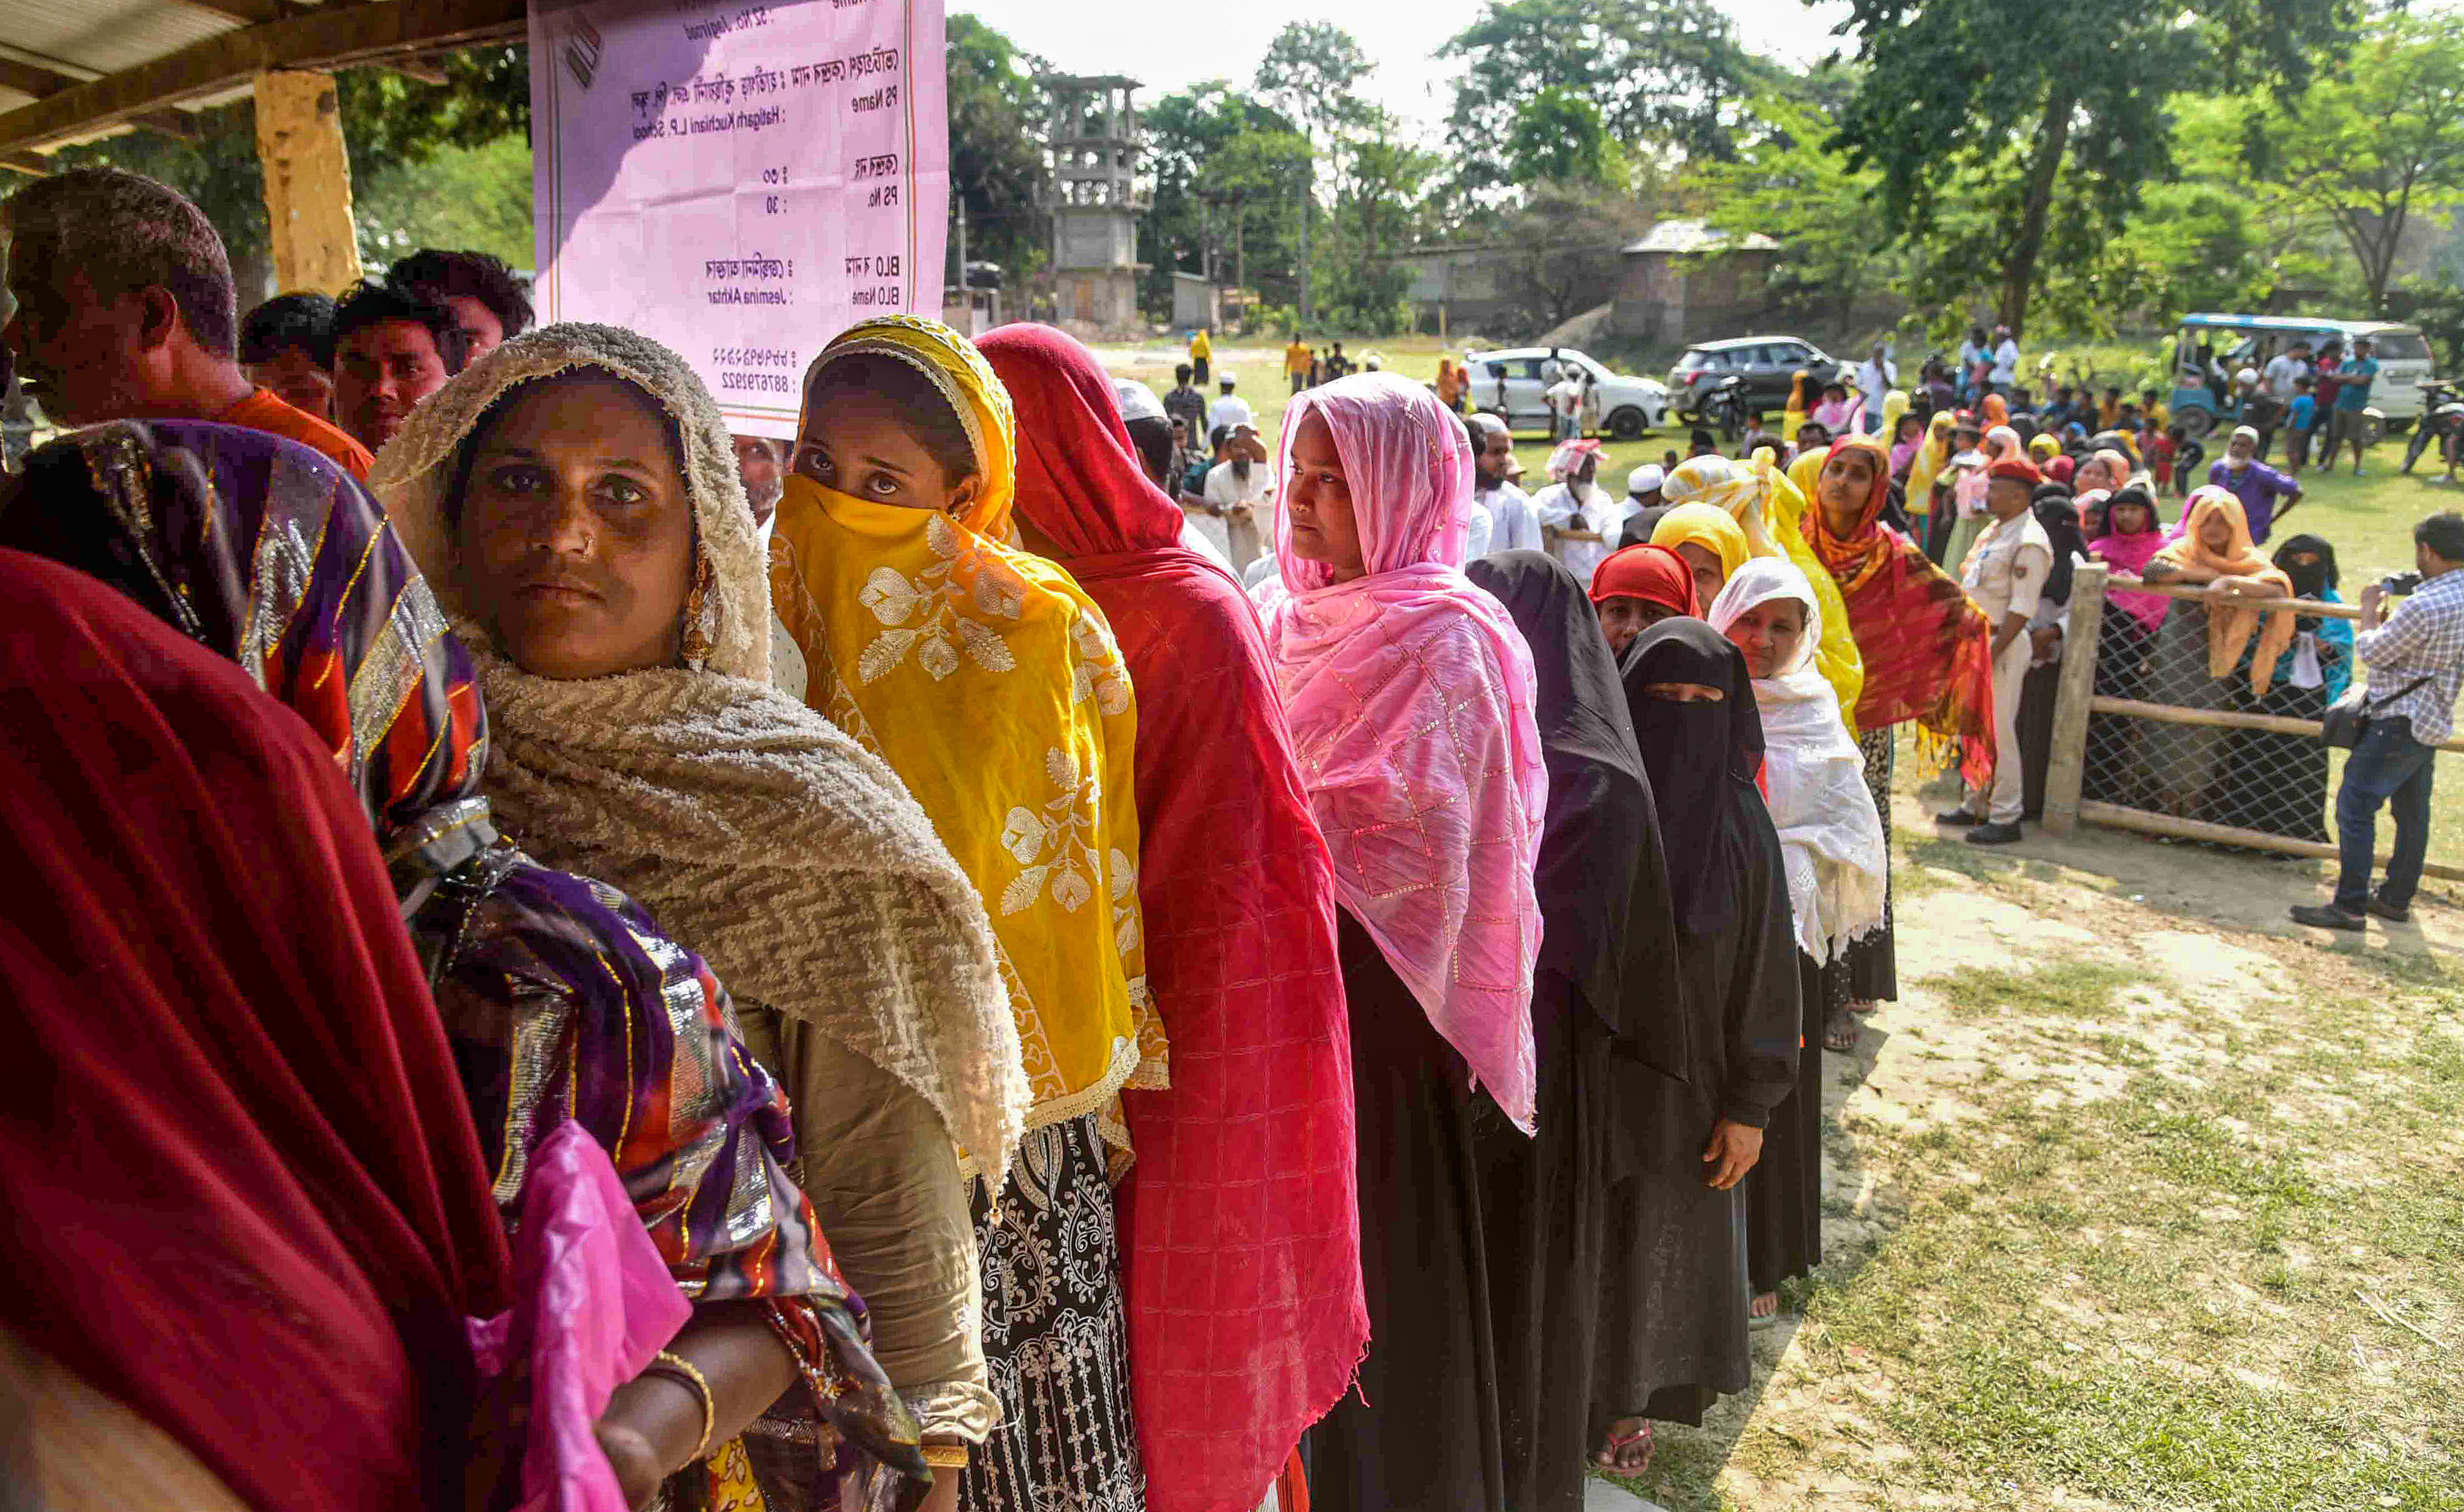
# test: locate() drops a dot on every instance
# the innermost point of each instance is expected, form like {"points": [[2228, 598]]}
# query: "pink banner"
{"points": [[739, 182]]}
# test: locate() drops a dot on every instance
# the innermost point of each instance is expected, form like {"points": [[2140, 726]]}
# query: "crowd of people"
{"points": [[568, 949]]}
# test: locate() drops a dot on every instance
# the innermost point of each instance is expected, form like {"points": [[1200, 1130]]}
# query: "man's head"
{"points": [[2241, 447], [2364, 348], [392, 347], [1492, 448], [2301, 347], [2438, 543], [1642, 485], [759, 466], [1701, 443], [124, 295], [485, 298], [1881, 351], [1182, 373], [1812, 436], [2001, 334], [286, 344], [2009, 485], [1151, 432], [2304, 383], [2113, 395], [1226, 385], [2147, 399]]}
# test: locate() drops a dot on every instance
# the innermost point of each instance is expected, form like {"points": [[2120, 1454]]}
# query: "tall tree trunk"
{"points": [[2053, 138]]}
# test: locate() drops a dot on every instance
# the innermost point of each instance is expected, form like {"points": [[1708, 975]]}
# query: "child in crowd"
{"points": [[2299, 416], [2160, 448], [2152, 408]]}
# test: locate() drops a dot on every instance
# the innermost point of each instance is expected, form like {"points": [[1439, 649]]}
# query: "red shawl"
{"points": [[1927, 648], [247, 1194], [1240, 1220]]}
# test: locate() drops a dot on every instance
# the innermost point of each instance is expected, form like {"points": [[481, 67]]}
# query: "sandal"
{"points": [[1615, 1458], [1840, 1032], [1862, 1005]]}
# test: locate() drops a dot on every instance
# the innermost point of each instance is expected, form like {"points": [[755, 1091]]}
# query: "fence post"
{"points": [[2066, 767]]}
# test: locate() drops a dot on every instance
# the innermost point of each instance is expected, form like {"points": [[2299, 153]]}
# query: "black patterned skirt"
{"points": [[1056, 1336], [1874, 959]]}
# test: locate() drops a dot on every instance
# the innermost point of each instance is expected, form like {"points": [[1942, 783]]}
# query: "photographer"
{"points": [[2417, 662]]}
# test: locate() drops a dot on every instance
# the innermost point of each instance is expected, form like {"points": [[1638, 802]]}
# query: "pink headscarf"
{"points": [[1410, 694]]}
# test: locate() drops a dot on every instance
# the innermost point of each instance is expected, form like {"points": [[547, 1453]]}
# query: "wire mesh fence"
{"points": [[2151, 734]]}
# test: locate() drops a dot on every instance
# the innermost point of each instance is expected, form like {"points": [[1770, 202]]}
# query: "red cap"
{"points": [[2017, 469]]}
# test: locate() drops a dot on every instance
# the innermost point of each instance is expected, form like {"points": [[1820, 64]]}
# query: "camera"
{"points": [[2396, 583]]}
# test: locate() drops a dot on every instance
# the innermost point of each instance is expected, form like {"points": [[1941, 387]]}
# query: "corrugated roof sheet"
{"points": [[1698, 236]]}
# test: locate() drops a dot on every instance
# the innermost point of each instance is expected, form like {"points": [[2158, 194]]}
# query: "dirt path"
{"points": [[2141, 1196]]}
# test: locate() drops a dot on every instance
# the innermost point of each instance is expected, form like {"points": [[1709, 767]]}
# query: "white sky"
{"points": [[1169, 46]]}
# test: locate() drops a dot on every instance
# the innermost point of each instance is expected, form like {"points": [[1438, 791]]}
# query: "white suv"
{"points": [[1515, 384]]}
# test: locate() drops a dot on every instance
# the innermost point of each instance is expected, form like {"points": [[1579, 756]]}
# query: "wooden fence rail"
{"points": [[2076, 698]]}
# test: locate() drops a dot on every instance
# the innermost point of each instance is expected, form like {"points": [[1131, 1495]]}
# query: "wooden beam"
{"points": [[2221, 718], [330, 37], [2115, 817], [30, 78], [33, 165], [172, 123]]}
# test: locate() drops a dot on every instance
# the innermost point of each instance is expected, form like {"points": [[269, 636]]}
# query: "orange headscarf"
{"points": [[1993, 411], [2230, 623]]}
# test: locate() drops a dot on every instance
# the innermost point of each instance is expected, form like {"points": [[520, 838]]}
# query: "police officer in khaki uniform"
{"points": [[2004, 573]]}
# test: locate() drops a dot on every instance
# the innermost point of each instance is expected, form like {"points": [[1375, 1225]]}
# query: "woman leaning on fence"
{"points": [[2200, 647], [2277, 783], [2124, 532]]}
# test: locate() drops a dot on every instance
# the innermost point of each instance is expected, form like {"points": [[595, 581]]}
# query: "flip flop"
{"points": [[1618, 1443], [1840, 1033]]}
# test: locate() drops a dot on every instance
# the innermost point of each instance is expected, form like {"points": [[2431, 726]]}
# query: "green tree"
{"points": [[2379, 143], [1559, 138], [1786, 184], [2047, 120], [1230, 172], [1312, 73], [1381, 189], [1659, 73], [999, 115], [475, 199]]}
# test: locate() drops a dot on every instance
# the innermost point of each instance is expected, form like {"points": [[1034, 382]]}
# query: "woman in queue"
{"points": [[1240, 1243], [1607, 946], [2202, 644], [1409, 695], [576, 499], [1675, 1294], [1926, 650], [563, 1000], [990, 682], [1830, 842]]}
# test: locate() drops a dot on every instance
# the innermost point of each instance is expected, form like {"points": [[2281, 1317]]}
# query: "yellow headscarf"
{"points": [[990, 682], [2230, 622], [1741, 492], [1708, 527], [1933, 453]]}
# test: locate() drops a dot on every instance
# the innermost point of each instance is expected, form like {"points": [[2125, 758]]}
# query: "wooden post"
{"points": [[2066, 766], [307, 181]]}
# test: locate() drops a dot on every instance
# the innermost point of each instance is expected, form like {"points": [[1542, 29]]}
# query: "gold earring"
{"points": [[701, 614]]}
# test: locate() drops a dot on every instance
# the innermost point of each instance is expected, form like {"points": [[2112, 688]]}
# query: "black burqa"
{"points": [[1600, 992], [1674, 1290]]}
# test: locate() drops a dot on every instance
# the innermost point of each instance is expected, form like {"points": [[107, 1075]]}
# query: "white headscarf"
{"points": [[1830, 834]]}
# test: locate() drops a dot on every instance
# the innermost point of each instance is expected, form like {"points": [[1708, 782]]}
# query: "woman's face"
{"points": [[1710, 575], [856, 443], [576, 547], [1323, 528], [1910, 428], [1847, 481], [2133, 518], [1623, 617], [1683, 692], [2094, 474], [2216, 532], [1768, 634]]}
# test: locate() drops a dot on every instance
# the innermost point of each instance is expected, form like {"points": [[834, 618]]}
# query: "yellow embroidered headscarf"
{"points": [[1933, 454], [1746, 493], [991, 684]]}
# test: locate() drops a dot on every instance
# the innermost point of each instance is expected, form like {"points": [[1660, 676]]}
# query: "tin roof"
{"points": [[73, 70], [1698, 236]]}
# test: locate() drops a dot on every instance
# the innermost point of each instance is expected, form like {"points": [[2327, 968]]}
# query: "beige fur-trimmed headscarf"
{"points": [[756, 831]]}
